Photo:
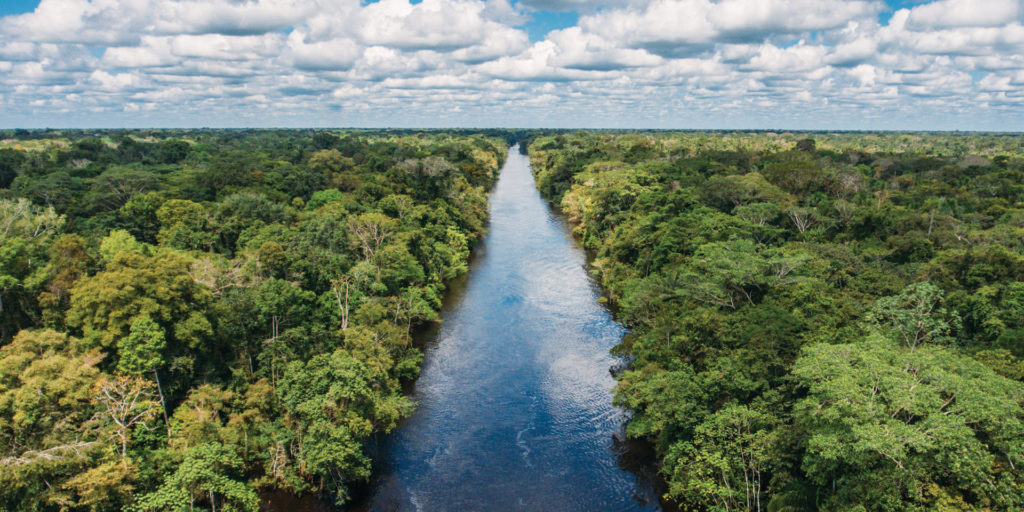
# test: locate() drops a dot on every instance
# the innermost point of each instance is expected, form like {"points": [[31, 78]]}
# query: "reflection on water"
{"points": [[514, 410]]}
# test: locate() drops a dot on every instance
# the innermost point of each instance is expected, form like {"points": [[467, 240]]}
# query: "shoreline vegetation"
{"points": [[819, 321], [190, 316]]}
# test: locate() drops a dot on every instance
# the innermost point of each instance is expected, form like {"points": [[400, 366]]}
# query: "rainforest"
{"points": [[201, 319], [188, 317]]}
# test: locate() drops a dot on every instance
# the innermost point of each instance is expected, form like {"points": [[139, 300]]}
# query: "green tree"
{"points": [[183, 225], [25, 234], [119, 185], [142, 352], [69, 261], [333, 402], [370, 231], [119, 241], [727, 464], [45, 411], [208, 476], [125, 404], [106, 305], [890, 428], [916, 316]]}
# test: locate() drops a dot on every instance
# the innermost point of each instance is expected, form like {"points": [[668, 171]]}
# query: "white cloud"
{"points": [[588, 52], [496, 44], [332, 54], [18, 50], [153, 51], [853, 52], [430, 24], [538, 63], [685, 26], [967, 40], [79, 21], [964, 13], [718, 62], [221, 47], [245, 17], [795, 59], [118, 82], [576, 5], [755, 18]]}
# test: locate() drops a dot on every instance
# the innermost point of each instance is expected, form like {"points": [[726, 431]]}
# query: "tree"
{"points": [[45, 407], [142, 352], [807, 145], [886, 425], [370, 231], [10, 160], [720, 254], [140, 213], [201, 417], [240, 211], [322, 197], [760, 216], [726, 465], [69, 261], [22, 219], [327, 161], [183, 225], [280, 305], [397, 205], [446, 257], [208, 474], [736, 190], [916, 316], [119, 185], [119, 241], [333, 402], [803, 218], [215, 296], [104, 305], [226, 172], [727, 273], [342, 292], [25, 233], [126, 405]]}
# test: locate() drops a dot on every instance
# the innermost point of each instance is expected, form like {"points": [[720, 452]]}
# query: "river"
{"points": [[514, 407]]}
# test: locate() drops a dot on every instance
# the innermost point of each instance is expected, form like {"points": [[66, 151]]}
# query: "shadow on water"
{"points": [[514, 407]]}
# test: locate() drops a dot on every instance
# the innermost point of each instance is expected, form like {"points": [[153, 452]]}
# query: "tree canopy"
{"points": [[818, 321], [190, 317]]}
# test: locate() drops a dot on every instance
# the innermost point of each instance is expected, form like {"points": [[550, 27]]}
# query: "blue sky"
{"points": [[787, 64], [17, 6]]}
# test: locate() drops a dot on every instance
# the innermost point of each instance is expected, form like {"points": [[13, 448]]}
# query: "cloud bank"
{"points": [[851, 64]]}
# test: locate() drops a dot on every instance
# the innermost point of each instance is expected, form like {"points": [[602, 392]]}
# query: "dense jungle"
{"points": [[828, 321], [190, 316], [816, 321]]}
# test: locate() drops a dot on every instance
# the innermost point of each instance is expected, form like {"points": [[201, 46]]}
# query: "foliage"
{"points": [[232, 310], [204, 477], [884, 423], [818, 321]]}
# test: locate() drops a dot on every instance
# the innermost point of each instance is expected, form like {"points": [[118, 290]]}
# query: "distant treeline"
{"points": [[828, 321], [189, 316]]}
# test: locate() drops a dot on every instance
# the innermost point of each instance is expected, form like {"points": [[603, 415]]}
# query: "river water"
{"points": [[514, 410]]}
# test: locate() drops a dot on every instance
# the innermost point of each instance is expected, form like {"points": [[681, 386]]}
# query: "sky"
{"points": [[690, 64]]}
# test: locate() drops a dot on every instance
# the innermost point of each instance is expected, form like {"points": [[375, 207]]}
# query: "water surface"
{"points": [[514, 410]]}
